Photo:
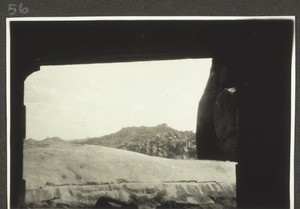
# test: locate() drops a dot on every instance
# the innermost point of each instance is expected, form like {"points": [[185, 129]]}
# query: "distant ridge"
{"points": [[135, 134], [30, 140], [160, 141], [53, 139]]}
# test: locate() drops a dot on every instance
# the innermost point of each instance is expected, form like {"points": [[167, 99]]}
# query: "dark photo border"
{"points": [[259, 52]]}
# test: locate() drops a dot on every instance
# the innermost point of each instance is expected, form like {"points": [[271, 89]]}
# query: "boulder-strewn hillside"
{"points": [[130, 134], [160, 140], [169, 145]]}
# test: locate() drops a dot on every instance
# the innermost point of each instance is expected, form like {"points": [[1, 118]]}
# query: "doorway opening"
{"points": [[131, 124]]}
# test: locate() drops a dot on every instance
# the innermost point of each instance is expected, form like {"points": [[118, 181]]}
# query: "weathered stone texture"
{"points": [[217, 123]]}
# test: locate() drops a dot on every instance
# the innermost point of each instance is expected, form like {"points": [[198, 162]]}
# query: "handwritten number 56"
{"points": [[14, 9]]}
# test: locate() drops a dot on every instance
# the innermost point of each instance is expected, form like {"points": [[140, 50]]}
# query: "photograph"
{"points": [[109, 123], [150, 112]]}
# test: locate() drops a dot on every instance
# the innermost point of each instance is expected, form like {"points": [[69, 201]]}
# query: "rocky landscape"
{"points": [[62, 174], [160, 141]]}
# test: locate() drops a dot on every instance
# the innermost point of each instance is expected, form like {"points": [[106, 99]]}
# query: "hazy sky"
{"points": [[79, 101]]}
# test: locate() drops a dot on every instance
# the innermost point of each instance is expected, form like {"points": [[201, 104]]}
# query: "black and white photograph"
{"points": [[150, 112]]}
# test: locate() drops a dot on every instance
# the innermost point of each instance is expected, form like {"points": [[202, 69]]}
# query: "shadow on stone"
{"points": [[173, 204], [108, 203]]}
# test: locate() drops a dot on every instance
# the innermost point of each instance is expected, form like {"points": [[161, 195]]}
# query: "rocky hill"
{"points": [[130, 134], [160, 140], [32, 143], [168, 145]]}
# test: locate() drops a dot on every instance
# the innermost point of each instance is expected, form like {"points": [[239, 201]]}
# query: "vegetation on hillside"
{"points": [[169, 145]]}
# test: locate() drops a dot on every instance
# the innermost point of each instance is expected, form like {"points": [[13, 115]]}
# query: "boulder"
{"points": [[217, 131], [207, 141], [226, 122]]}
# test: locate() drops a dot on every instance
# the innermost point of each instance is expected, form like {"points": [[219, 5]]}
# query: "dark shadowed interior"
{"points": [[253, 56]]}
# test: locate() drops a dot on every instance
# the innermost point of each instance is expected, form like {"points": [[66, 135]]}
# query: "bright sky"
{"points": [[91, 100]]}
